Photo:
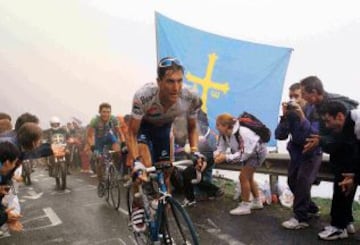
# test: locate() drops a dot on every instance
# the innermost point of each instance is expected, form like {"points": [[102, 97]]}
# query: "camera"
{"points": [[291, 105]]}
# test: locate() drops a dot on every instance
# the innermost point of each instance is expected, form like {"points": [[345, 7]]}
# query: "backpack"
{"points": [[250, 121]]}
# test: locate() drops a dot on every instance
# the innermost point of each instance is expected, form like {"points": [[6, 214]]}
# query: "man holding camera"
{"points": [[300, 120]]}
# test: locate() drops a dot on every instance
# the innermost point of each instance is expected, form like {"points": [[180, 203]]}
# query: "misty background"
{"points": [[64, 57]]}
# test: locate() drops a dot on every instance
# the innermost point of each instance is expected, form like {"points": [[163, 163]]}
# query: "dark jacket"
{"points": [[344, 149], [298, 131], [326, 135]]}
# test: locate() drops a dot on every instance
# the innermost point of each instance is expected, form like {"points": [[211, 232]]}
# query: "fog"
{"points": [[64, 58]]}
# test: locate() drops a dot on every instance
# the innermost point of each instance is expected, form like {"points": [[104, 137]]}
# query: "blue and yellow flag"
{"points": [[230, 75]]}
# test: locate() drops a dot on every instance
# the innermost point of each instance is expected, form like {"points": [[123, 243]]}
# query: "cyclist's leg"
{"points": [[99, 168], [138, 212], [162, 150]]}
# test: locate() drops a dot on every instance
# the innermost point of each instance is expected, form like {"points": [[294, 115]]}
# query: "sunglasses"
{"points": [[168, 62]]}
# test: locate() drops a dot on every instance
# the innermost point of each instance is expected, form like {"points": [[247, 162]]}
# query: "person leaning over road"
{"points": [[154, 108], [313, 92], [9, 155], [28, 138], [104, 130], [299, 120], [240, 145], [344, 153]]}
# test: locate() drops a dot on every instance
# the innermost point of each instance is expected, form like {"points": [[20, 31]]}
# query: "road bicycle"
{"points": [[58, 167], [167, 222], [110, 184]]}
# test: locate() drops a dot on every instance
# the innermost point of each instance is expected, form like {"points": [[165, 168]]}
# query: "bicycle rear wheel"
{"points": [[114, 187], [176, 226]]}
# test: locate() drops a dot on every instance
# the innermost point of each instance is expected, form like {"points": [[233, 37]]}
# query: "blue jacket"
{"points": [[299, 131]]}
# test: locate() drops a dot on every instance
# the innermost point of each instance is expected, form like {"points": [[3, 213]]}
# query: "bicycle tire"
{"points": [[107, 189], [63, 174], [176, 225], [114, 186]]}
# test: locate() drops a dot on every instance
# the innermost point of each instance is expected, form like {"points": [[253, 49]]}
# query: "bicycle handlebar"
{"points": [[169, 164]]}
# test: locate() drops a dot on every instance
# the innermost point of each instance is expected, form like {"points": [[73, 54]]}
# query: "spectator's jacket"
{"points": [[326, 136], [9, 136], [344, 150], [231, 145], [299, 131]]}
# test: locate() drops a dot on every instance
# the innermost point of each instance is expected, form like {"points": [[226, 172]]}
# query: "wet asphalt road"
{"points": [[77, 216]]}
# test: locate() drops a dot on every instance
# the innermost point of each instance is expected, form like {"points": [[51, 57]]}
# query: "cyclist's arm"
{"points": [[120, 134], [134, 126], [193, 134], [90, 133]]}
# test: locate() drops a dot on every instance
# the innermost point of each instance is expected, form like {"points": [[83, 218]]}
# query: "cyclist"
{"points": [[154, 108], [104, 130], [55, 135]]}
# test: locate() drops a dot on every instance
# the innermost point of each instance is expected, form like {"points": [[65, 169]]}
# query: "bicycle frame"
{"points": [[155, 224]]}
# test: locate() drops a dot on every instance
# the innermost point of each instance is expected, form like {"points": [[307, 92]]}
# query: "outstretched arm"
{"points": [[134, 126], [193, 134]]}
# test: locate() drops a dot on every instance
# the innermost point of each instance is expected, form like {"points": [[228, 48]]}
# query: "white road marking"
{"points": [[6, 234], [215, 231], [50, 214], [33, 195]]}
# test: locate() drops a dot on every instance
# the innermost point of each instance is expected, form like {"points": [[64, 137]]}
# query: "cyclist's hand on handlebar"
{"points": [[123, 147], [139, 171], [138, 166]]}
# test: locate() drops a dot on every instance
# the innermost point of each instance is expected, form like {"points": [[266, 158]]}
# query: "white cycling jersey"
{"points": [[146, 105]]}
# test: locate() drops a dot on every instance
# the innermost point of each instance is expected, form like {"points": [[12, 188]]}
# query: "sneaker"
{"points": [[332, 233], [350, 228], [256, 204], [294, 224], [1, 233], [138, 220], [242, 209], [188, 203]]}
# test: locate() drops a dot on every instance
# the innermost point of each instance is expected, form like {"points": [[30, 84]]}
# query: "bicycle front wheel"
{"points": [[114, 187], [176, 226]]}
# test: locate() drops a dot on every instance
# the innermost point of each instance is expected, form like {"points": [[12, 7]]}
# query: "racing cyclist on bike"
{"points": [[154, 108], [104, 130], [55, 135]]}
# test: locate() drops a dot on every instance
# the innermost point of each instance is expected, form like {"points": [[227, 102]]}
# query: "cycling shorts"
{"points": [[158, 140]]}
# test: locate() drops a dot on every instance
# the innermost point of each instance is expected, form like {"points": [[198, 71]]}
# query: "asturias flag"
{"points": [[230, 75]]}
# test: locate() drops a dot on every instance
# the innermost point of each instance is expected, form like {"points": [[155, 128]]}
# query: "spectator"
{"points": [[9, 155], [313, 92], [299, 120], [240, 145], [344, 156]]}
